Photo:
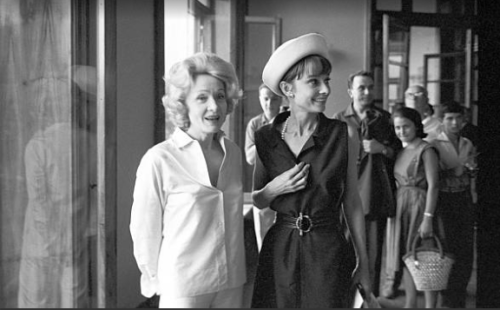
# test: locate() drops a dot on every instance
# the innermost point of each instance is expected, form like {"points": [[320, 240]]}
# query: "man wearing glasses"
{"points": [[416, 98]]}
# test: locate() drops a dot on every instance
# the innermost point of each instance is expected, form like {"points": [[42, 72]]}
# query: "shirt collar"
{"points": [[350, 110], [264, 119], [444, 137], [321, 135], [182, 139]]}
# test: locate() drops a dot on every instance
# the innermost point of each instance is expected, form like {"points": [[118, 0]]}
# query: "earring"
{"points": [[291, 95]]}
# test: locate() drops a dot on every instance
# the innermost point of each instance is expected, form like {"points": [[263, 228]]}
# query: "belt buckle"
{"points": [[303, 224]]}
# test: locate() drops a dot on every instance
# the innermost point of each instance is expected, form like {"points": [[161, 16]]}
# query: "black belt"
{"points": [[303, 223]]}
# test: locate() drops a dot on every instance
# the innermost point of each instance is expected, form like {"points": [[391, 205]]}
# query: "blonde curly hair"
{"points": [[180, 80]]}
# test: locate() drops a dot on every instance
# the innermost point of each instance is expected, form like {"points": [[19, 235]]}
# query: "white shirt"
{"points": [[187, 234], [453, 161], [253, 125], [432, 127]]}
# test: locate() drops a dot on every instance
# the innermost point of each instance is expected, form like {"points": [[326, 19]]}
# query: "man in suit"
{"points": [[378, 148]]}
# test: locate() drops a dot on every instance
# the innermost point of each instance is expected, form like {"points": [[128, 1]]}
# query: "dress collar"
{"points": [[319, 136]]}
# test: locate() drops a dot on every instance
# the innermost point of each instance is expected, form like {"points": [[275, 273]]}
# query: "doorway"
{"points": [[262, 37], [440, 58], [432, 43]]}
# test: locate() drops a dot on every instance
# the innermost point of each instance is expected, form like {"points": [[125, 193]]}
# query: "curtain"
{"points": [[44, 205]]}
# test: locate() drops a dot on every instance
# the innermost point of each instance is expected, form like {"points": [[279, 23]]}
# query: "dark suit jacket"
{"points": [[375, 171]]}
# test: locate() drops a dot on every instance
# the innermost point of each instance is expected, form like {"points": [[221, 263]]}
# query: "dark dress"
{"points": [[312, 269]]}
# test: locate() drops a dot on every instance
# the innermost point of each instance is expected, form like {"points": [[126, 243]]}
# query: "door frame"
{"points": [[468, 22], [106, 155]]}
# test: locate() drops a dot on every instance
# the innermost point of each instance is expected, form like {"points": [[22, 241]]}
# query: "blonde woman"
{"points": [[187, 215]]}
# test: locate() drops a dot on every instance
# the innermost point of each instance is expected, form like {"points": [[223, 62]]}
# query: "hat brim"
{"points": [[288, 54]]}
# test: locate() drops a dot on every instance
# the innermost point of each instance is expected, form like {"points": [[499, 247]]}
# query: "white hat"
{"points": [[288, 54]]}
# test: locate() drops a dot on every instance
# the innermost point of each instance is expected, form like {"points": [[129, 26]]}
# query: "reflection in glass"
{"points": [[48, 260], [47, 158], [425, 40]]}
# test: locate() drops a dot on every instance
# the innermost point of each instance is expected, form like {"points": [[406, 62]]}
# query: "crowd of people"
{"points": [[332, 196]]}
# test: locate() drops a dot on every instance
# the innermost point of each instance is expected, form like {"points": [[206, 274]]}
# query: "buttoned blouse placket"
{"points": [[191, 161], [220, 246]]}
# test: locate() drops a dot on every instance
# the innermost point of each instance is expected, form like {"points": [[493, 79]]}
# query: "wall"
{"points": [[135, 112], [343, 23]]}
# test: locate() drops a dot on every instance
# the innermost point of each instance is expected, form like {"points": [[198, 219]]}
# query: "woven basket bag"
{"points": [[429, 266]]}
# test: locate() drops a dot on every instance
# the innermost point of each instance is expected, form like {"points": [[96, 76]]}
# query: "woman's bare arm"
{"points": [[354, 214]]}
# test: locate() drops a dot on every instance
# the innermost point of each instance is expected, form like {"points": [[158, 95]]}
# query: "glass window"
{"points": [[425, 6], [48, 154], [393, 92], [395, 67], [205, 3], [389, 5], [425, 40]]}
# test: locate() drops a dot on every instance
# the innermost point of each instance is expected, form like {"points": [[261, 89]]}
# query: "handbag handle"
{"points": [[414, 246]]}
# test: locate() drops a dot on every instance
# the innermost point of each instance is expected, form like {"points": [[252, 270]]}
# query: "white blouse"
{"points": [[432, 127], [450, 159], [187, 234]]}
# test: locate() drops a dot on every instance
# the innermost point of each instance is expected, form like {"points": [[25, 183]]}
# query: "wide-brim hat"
{"points": [[288, 54]]}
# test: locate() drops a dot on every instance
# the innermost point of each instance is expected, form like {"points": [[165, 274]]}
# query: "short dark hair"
{"points": [[414, 116], [309, 63], [450, 107], [359, 73]]}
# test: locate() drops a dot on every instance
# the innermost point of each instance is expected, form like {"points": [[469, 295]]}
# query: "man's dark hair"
{"points": [[450, 107], [359, 73]]}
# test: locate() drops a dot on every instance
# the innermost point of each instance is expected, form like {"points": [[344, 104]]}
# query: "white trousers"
{"points": [[231, 298]]}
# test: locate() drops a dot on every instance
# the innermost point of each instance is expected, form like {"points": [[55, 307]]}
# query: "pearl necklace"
{"points": [[284, 129]]}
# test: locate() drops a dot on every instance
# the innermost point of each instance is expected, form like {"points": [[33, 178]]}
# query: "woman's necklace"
{"points": [[284, 129]]}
